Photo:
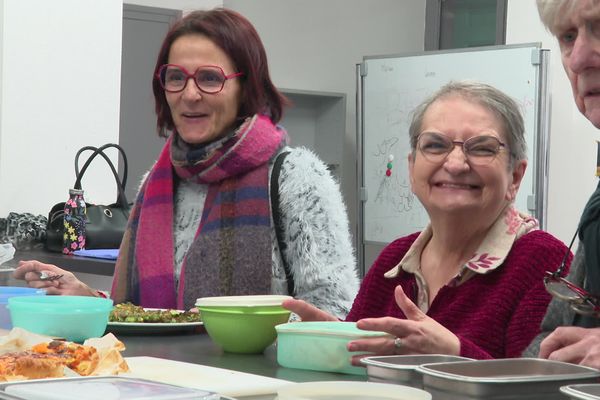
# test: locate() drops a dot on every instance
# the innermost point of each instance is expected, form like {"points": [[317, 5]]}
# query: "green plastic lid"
{"points": [[334, 328]]}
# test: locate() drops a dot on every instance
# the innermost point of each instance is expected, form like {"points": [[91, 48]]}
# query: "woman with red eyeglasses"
{"points": [[202, 222]]}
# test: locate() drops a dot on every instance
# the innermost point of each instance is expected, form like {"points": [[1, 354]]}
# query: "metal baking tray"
{"points": [[503, 379], [403, 369], [582, 392]]}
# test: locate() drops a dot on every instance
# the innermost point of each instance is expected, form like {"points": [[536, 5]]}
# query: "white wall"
{"points": [[59, 83], [184, 5], [572, 138], [316, 44], [60, 74]]}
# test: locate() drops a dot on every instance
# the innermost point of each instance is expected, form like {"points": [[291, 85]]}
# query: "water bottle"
{"points": [[74, 222]]}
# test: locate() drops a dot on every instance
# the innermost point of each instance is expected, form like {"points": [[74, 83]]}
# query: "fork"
{"points": [[44, 276]]}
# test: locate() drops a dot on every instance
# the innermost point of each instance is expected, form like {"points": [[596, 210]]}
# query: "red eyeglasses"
{"points": [[209, 79]]}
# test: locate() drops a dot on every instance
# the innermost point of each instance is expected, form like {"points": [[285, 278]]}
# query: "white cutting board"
{"points": [[223, 381]]}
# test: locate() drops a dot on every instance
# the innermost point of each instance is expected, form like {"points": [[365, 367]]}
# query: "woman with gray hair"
{"points": [[471, 283]]}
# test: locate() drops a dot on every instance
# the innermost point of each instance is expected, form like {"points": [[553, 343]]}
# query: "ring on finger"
{"points": [[398, 343]]}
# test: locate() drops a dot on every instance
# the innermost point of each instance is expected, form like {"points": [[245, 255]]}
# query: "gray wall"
{"points": [[144, 29], [315, 45]]}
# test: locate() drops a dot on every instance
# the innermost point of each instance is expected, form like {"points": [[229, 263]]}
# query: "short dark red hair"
{"points": [[236, 36]]}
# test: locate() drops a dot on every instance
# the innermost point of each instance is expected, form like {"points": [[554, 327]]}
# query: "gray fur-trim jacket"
{"points": [[315, 228]]}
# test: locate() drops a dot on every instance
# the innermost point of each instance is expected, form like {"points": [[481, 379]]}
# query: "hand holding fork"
{"points": [[48, 277], [55, 280]]}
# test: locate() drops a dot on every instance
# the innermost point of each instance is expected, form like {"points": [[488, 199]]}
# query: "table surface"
{"points": [[198, 348], [71, 263], [188, 346]]}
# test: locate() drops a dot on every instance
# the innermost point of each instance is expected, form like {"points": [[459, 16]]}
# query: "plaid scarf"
{"points": [[231, 252]]}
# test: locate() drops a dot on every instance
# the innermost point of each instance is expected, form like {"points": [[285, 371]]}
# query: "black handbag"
{"points": [[105, 224]]}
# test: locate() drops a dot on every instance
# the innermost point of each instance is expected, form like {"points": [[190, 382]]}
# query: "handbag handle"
{"points": [[121, 198], [101, 149]]}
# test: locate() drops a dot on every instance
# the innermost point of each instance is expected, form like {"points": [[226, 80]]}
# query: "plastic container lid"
{"points": [[333, 328], [348, 390], [59, 304], [105, 388], [241, 301]]}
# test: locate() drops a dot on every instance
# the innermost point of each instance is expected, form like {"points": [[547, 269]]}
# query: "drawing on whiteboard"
{"points": [[393, 190], [386, 68], [384, 148], [526, 104], [397, 107]]}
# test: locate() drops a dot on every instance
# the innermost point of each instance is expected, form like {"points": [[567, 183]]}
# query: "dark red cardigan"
{"points": [[495, 315]]}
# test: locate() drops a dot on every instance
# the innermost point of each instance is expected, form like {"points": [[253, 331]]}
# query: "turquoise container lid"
{"points": [[60, 304]]}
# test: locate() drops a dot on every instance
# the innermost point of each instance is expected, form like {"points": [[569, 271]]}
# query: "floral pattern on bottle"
{"points": [[74, 222]]}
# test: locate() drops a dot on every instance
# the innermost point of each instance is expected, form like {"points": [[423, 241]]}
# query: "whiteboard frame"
{"points": [[541, 131]]}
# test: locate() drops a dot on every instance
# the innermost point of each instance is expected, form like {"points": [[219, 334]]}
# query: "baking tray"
{"points": [[403, 369], [503, 379], [100, 388], [582, 392]]}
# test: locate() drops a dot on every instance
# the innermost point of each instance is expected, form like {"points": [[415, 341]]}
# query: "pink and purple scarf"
{"points": [[231, 252]]}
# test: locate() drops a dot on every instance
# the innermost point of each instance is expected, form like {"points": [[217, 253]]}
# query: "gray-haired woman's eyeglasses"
{"points": [[479, 150], [579, 299]]}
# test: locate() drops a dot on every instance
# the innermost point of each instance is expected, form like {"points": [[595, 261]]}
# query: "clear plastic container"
{"points": [[104, 388], [319, 346]]}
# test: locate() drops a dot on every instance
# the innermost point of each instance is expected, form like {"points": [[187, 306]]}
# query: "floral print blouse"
{"points": [[510, 225]]}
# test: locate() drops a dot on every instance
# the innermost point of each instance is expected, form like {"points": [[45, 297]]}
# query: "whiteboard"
{"points": [[391, 87]]}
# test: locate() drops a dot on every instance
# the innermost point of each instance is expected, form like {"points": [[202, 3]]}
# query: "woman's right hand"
{"points": [[307, 312], [68, 284]]}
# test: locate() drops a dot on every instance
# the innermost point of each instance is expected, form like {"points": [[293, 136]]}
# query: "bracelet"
{"points": [[100, 293]]}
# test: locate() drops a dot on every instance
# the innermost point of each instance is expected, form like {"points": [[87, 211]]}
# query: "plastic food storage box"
{"points": [[243, 324], [103, 388], [319, 346]]}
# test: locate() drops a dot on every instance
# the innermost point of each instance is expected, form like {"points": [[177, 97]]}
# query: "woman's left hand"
{"points": [[417, 334]]}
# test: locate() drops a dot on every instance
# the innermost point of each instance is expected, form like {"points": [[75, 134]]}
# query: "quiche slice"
{"points": [[30, 365], [81, 359]]}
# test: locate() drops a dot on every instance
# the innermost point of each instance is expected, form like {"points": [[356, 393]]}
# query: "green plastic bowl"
{"points": [[320, 346], [243, 324], [75, 318]]}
